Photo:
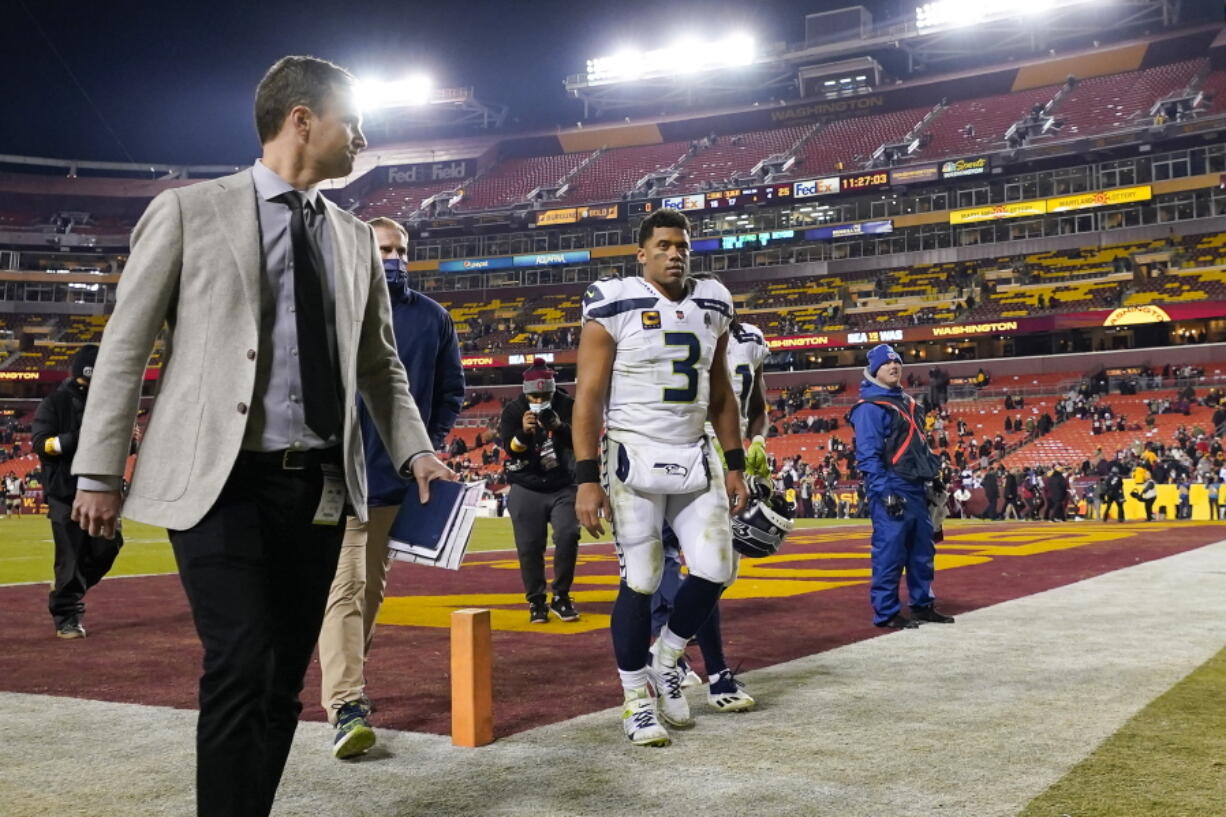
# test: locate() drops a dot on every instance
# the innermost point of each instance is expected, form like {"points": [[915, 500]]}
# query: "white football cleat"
{"points": [[727, 694], [670, 695], [640, 722]]}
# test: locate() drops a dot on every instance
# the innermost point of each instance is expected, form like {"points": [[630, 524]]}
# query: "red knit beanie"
{"points": [[539, 378]]}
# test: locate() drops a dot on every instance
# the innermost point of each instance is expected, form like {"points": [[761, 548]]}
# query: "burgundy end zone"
{"points": [[142, 647]]}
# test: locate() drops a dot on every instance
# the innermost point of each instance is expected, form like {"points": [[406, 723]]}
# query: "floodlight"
{"points": [[968, 12], [689, 55], [403, 93], [738, 49]]}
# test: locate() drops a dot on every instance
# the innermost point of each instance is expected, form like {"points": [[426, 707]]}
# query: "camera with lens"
{"points": [[549, 420]]}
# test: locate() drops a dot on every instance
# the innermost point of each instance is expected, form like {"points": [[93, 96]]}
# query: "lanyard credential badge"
{"points": [[332, 498]]}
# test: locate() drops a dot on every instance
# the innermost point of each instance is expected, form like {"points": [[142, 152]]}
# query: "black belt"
{"points": [[291, 459]]}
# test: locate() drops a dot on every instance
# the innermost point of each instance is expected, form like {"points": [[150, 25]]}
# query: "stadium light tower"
{"points": [[958, 13], [407, 92], [689, 55]]}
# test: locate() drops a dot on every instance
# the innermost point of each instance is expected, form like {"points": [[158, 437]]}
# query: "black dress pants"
{"points": [[1118, 502], [531, 511], [257, 574], [81, 561]]}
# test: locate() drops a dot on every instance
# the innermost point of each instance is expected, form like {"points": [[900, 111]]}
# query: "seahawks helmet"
{"points": [[758, 530]]}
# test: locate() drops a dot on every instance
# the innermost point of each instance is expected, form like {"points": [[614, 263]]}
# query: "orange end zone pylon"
{"points": [[472, 673]]}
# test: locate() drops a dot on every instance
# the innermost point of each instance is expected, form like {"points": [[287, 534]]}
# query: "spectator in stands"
{"points": [[536, 434], [81, 560], [1045, 424], [427, 345], [897, 492], [254, 443]]}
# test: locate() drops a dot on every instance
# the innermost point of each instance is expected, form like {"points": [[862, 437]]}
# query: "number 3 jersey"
{"points": [[661, 383]]}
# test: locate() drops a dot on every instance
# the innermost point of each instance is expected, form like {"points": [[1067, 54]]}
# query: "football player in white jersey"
{"points": [[650, 367], [747, 351]]}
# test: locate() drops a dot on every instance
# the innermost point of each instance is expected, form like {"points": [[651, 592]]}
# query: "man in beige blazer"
{"points": [[278, 318]]}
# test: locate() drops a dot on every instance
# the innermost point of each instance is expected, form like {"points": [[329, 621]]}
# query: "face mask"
{"points": [[394, 270], [537, 408]]}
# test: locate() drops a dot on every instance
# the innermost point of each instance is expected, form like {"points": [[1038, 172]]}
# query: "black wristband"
{"points": [[734, 458], [587, 471]]}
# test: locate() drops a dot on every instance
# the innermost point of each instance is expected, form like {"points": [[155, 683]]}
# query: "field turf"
{"points": [[26, 551]]}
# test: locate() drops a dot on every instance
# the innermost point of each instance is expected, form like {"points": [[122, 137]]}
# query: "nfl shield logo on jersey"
{"points": [[680, 315]]}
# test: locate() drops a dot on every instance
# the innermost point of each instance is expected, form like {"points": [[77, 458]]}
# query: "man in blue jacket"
{"points": [[898, 467], [427, 344]]}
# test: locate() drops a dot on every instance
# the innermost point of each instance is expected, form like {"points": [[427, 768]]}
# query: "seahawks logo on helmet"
{"points": [[759, 530]]}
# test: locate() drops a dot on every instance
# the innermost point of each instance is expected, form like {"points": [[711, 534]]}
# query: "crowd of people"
{"points": [[11, 439]]}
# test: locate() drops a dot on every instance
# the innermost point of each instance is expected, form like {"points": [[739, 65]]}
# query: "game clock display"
{"points": [[869, 180]]}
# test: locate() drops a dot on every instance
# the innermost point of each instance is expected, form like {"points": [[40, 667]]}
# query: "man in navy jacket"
{"points": [[898, 469], [427, 345]]}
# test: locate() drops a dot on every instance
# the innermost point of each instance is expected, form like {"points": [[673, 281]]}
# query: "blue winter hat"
{"points": [[880, 355]]}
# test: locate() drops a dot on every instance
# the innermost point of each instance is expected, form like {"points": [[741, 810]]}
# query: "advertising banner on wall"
{"points": [[575, 215], [914, 175], [993, 212], [542, 259], [456, 171], [553, 259], [475, 264], [846, 230], [815, 187], [1120, 195], [959, 168]]}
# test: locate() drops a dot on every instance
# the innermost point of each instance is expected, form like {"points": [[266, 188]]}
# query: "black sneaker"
{"points": [[538, 613], [898, 622], [930, 614], [564, 609], [72, 628]]}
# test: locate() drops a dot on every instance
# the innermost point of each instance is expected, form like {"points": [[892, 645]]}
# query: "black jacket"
{"points": [[59, 417], [524, 466]]}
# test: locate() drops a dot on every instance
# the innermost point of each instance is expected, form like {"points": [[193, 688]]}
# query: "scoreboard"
{"points": [[861, 182], [729, 199], [868, 180]]}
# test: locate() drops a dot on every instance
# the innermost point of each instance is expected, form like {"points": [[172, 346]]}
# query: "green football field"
{"points": [[27, 553]]}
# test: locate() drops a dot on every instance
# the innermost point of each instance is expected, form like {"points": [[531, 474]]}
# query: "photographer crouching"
{"points": [[535, 433]]}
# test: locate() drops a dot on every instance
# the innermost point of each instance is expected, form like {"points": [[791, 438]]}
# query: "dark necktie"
{"points": [[321, 399]]}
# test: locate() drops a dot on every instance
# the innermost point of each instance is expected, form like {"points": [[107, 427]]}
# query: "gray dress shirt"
{"points": [[277, 420]]}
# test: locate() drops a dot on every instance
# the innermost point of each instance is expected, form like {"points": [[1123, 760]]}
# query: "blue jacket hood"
{"points": [[871, 387]]}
